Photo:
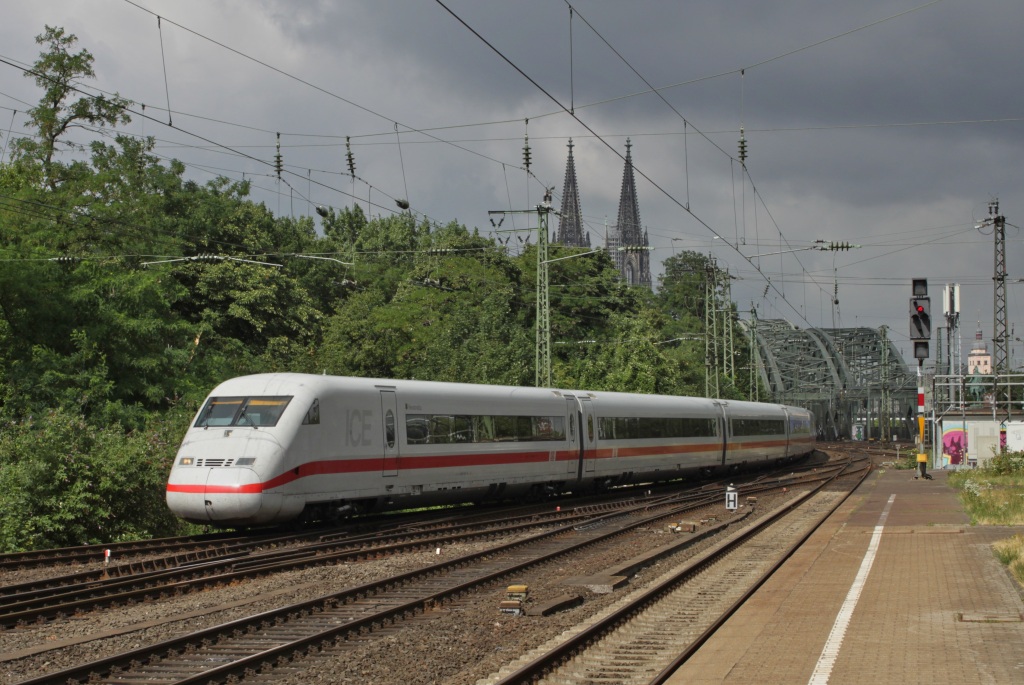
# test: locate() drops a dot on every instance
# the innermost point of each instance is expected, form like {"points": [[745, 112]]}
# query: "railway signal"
{"points": [[920, 334], [920, 318]]}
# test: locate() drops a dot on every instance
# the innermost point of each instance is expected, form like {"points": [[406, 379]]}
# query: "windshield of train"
{"points": [[242, 411]]}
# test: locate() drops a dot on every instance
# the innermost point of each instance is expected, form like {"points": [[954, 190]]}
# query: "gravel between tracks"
{"points": [[460, 642]]}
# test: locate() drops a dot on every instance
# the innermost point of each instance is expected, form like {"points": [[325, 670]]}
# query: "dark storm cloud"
{"points": [[853, 138]]}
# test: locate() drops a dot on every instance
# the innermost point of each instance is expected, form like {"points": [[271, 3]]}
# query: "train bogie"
{"points": [[275, 447]]}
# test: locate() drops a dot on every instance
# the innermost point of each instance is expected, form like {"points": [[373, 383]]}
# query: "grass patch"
{"points": [[993, 495], [1011, 553]]}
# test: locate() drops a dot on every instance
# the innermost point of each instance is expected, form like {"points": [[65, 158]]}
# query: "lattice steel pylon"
{"points": [[1000, 348], [885, 412], [543, 358], [728, 351], [711, 338]]}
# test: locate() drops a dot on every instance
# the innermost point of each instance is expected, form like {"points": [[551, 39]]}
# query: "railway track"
{"points": [[68, 595], [256, 644], [151, 555], [246, 645], [191, 547], [32, 602], [652, 632]]}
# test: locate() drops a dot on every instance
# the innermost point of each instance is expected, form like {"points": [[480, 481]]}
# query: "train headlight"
{"points": [[186, 461], [245, 461]]}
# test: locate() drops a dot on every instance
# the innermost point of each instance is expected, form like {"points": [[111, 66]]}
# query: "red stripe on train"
{"points": [[338, 466]]}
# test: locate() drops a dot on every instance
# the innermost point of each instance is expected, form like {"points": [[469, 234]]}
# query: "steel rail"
{"points": [[103, 667], [688, 653], [554, 658]]}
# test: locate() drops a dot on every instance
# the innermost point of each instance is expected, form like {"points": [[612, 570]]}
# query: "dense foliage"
{"points": [[114, 322]]}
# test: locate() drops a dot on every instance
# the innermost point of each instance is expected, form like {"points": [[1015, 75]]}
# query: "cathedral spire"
{"points": [[570, 223], [628, 244]]}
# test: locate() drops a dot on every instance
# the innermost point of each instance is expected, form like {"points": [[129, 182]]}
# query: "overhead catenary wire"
{"points": [[685, 124], [657, 186], [742, 150], [308, 84], [573, 108], [427, 130], [215, 144], [439, 128], [10, 127], [686, 206], [163, 58], [401, 159]]}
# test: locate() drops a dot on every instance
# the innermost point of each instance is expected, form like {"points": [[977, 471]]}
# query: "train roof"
{"points": [[290, 383]]}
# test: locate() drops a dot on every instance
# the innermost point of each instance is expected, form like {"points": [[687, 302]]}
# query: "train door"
{"points": [[723, 424], [789, 431], [589, 435], [389, 410], [574, 417]]}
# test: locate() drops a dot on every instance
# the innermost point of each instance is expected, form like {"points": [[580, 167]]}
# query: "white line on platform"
{"points": [[827, 660]]}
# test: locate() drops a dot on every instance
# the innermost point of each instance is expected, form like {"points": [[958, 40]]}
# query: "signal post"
{"points": [[920, 336]]}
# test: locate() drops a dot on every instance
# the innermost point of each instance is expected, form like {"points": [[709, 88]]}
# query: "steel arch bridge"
{"points": [[853, 379]]}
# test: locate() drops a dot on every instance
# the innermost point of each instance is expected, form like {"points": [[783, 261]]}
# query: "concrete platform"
{"points": [[897, 587]]}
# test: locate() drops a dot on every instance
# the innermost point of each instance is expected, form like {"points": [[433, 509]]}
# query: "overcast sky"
{"points": [[890, 124]]}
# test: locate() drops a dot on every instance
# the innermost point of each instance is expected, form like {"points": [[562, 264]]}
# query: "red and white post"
{"points": [[922, 457]]}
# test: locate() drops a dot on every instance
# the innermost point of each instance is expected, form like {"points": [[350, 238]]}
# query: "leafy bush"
{"points": [[904, 464], [65, 483], [1006, 464]]}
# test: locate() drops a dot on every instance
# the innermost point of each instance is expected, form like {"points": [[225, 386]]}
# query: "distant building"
{"points": [[979, 360], [626, 241]]}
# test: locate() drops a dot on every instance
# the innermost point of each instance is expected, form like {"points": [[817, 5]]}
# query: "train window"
{"points": [[219, 411], [483, 428], [242, 411], [799, 425], [441, 429], [505, 428], [417, 429], [590, 428], [524, 428], [758, 427], [546, 428], [647, 427], [461, 429], [389, 428], [261, 411], [312, 417]]}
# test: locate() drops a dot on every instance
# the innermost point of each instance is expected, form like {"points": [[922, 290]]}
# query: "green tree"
{"points": [[106, 215], [683, 299], [57, 72], [447, 306], [630, 359]]}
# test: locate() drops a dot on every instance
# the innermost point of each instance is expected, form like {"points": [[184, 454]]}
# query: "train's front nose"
{"points": [[226, 489], [216, 495]]}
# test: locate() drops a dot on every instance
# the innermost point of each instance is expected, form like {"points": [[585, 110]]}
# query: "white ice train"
{"points": [[272, 448]]}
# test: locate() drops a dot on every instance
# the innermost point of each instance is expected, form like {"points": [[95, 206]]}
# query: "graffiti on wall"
{"points": [[954, 443]]}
